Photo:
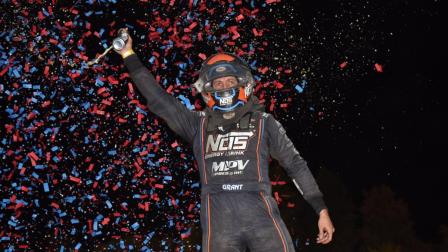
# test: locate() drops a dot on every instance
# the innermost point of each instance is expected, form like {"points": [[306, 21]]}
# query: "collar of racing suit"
{"points": [[215, 119]]}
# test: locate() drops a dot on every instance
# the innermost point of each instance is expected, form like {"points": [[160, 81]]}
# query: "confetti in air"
{"points": [[86, 167]]}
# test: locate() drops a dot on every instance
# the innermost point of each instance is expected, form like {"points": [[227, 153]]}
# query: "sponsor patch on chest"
{"points": [[231, 141], [232, 167]]}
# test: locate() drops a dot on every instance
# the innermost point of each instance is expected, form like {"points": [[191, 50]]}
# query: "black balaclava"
{"points": [[216, 118]]}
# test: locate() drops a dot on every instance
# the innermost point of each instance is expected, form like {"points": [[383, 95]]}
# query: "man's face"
{"points": [[224, 82]]}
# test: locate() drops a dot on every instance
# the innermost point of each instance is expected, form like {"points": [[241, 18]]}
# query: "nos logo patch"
{"points": [[229, 141]]}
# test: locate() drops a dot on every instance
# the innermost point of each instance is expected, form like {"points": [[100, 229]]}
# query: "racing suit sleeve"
{"points": [[181, 120], [282, 149]]}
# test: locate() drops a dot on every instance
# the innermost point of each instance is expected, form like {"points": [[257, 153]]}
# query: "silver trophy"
{"points": [[117, 44], [120, 41]]}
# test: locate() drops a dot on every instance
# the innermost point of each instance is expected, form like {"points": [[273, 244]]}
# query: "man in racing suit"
{"points": [[232, 140]]}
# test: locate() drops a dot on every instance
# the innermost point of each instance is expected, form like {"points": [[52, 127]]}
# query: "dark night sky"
{"points": [[391, 124]]}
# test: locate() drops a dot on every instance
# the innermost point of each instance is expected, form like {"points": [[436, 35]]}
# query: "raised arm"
{"points": [[181, 120]]}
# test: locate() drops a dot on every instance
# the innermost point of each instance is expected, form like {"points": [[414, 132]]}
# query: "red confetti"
{"points": [[101, 90], [263, 70], [193, 25], [277, 197], [4, 70], [75, 179], [131, 88], [45, 104], [278, 84], [139, 118], [53, 41], [55, 205], [40, 16], [185, 235], [378, 68], [257, 33], [33, 155], [46, 70], [239, 18], [105, 221], [112, 80]]}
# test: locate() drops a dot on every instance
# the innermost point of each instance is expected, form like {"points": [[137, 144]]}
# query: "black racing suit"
{"points": [[237, 209]]}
